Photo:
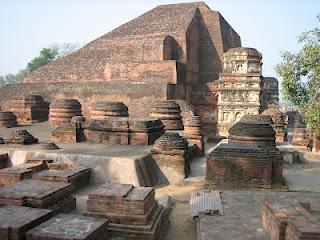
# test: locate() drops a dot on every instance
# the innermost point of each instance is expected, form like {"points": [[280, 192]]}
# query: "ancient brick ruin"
{"points": [[284, 220], [133, 211], [29, 109], [192, 131], [105, 110], [62, 111], [249, 159], [177, 57], [66, 227], [172, 155], [16, 221], [169, 112], [8, 119], [20, 137]]}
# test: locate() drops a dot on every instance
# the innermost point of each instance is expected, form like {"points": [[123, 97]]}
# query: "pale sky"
{"points": [[26, 26]]}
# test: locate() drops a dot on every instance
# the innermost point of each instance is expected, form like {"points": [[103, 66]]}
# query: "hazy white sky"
{"points": [[26, 26]]}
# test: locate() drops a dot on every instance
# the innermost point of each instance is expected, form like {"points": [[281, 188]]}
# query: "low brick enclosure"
{"points": [[286, 220], [133, 211], [39, 194], [128, 131], [66, 227], [29, 109], [8, 119], [15, 221]]}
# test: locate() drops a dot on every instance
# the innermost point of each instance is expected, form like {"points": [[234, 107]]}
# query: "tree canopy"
{"points": [[300, 74]]}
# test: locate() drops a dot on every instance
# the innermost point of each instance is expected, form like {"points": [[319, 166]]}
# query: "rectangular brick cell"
{"points": [[70, 227], [38, 194], [16, 221], [78, 176]]}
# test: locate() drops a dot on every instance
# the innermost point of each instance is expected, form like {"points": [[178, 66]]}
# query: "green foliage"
{"points": [[301, 76], [47, 55]]}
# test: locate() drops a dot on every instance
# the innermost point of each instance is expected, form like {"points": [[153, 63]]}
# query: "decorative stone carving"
{"points": [[62, 111], [8, 119], [239, 86], [22, 137], [170, 152], [192, 131], [169, 113], [105, 110]]}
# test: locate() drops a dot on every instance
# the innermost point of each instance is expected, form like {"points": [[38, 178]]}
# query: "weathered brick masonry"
{"points": [[171, 52]]}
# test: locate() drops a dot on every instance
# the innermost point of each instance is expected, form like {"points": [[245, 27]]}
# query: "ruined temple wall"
{"points": [[138, 97]]}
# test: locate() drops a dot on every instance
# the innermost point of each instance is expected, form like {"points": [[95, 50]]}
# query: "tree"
{"points": [[301, 76], [47, 55]]}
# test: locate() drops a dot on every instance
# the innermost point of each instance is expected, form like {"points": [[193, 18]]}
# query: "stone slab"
{"points": [[16, 221], [70, 227]]}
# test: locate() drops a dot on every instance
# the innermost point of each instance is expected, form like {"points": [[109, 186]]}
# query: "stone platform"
{"points": [[38, 194], [16, 221], [67, 227]]}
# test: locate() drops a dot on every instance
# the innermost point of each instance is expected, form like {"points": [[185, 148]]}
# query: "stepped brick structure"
{"points": [[133, 211], [169, 112], [22, 137], [284, 220], [66, 227], [38, 194], [249, 159], [29, 109], [16, 221], [105, 110], [171, 52], [192, 131], [170, 152], [8, 119], [67, 133], [62, 111], [300, 135]]}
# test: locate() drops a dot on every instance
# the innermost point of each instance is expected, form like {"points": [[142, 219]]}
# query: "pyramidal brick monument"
{"points": [[173, 51]]}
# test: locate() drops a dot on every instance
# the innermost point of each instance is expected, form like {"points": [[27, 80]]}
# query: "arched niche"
{"points": [[171, 49]]}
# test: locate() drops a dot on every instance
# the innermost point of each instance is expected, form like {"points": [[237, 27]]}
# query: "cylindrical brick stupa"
{"points": [[253, 129], [169, 113], [192, 131], [106, 110], [8, 119], [62, 111]]}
